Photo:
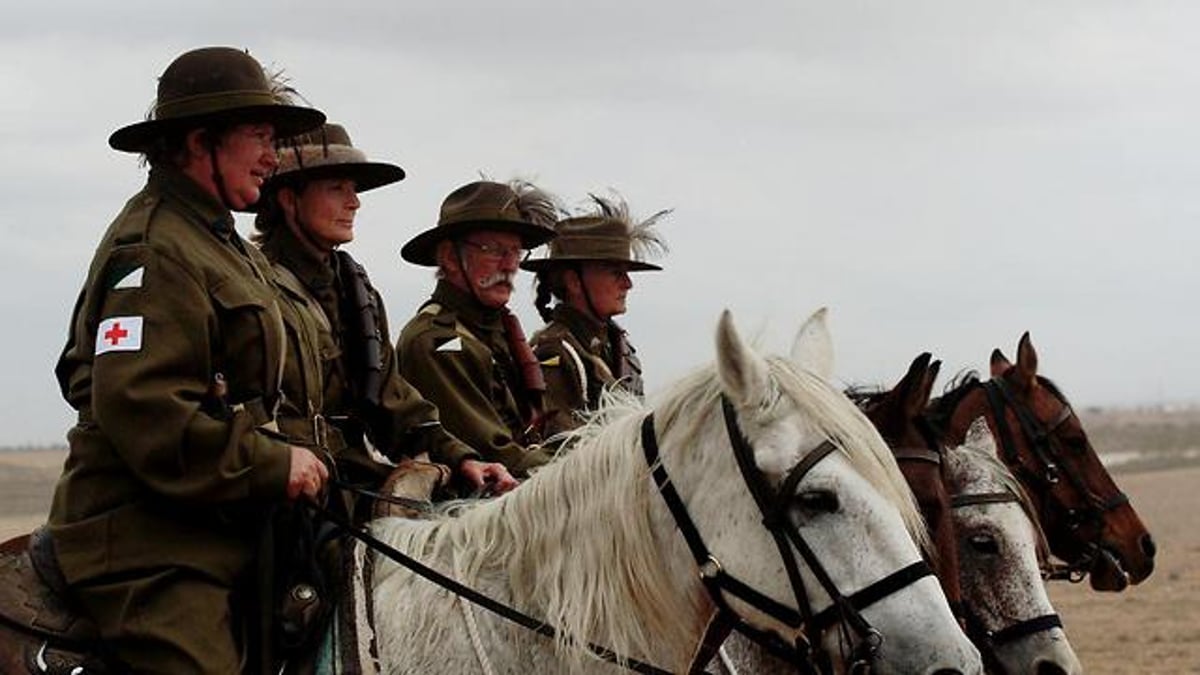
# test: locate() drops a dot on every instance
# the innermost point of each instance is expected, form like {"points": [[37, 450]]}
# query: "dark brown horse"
{"points": [[1088, 521], [899, 415]]}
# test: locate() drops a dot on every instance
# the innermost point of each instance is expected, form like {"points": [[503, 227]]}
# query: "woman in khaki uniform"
{"points": [[581, 349], [173, 362], [307, 212]]}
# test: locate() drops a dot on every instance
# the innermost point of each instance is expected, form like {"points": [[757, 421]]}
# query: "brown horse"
{"points": [[1089, 522], [899, 416]]}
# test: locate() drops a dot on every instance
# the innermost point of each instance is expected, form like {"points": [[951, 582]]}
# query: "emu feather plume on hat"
{"points": [[605, 233]]}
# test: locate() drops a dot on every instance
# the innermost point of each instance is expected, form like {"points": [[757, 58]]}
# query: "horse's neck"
{"points": [[587, 544]]}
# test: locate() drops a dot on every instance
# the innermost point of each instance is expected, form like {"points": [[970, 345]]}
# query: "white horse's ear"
{"points": [[980, 436], [813, 347], [743, 373]]}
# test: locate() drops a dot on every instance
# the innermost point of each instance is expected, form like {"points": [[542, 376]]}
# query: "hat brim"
{"points": [[422, 249], [288, 120], [541, 264], [366, 175]]}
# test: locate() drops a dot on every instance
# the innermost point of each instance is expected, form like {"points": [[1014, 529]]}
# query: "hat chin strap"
{"points": [[587, 295], [217, 177], [303, 233], [462, 266]]}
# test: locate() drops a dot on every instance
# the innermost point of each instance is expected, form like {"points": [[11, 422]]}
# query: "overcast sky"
{"points": [[942, 175]]}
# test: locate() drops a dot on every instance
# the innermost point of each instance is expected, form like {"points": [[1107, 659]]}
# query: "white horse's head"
{"points": [[851, 508], [1000, 546], [590, 546]]}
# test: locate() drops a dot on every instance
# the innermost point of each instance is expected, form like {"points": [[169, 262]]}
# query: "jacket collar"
{"points": [[282, 246], [199, 204], [589, 332], [469, 310]]}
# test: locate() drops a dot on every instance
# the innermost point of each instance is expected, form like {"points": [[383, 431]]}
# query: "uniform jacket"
{"points": [[401, 423], [580, 357], [163, 470], [455, 351]]}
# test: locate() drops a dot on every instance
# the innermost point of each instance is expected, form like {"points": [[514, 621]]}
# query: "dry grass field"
{"points": [[1151, 628]]}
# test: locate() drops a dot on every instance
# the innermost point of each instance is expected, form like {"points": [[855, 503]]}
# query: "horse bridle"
{"points": [[807, 651], [1048, 458], [980, 634]]}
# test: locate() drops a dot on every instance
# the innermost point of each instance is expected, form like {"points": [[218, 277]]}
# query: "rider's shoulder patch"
{"points": [[451, 344], [119, 334]]}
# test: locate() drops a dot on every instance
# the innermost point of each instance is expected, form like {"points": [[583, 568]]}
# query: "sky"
{"points": [[942, 175]]}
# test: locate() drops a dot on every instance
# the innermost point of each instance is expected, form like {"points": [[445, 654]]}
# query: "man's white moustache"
{"points": [[498, 278]]}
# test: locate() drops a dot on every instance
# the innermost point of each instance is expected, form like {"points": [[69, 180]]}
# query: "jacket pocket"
{"points": [[251, 339]]}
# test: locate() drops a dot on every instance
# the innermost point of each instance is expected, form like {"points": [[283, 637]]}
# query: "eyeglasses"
{"points": [[496, 252]]}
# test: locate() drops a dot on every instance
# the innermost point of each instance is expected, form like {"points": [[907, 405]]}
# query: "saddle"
{"points": [[40, 631]]}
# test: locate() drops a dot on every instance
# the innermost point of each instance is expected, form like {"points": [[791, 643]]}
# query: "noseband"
{"points": [[979, 634], [1048, 471], [806, 652]]}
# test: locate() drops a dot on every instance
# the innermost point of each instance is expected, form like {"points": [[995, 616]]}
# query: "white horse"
{"points": [[589, 545], [1000, 547]]}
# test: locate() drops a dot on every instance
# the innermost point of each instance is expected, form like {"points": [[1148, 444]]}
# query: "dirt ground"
{"points": [[1151, 628]]}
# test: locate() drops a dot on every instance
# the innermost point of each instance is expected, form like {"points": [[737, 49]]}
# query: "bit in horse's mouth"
{"points": [[1113, 562]]}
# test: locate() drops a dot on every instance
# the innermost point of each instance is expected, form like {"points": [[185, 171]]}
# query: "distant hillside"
{"points": [[1127, 439], [1135, 439]]}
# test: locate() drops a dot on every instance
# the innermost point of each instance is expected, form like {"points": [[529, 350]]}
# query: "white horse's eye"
{"points": [[818, 501], [984, 543]]}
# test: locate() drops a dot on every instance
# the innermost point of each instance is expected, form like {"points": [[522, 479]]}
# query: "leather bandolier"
{"points": [[532, 380], [364, 344]]}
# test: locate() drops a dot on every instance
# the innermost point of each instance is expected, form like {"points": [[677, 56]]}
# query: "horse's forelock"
{"points": [[829, 411], [848, 428], [941, 409]]}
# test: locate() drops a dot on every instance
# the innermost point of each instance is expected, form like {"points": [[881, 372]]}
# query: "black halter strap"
{"points": [[977, 498], [807, 652]]}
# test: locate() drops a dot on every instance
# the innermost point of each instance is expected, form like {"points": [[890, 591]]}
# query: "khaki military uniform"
{"points": [[580, 357], [156, 516], [400, 423], [455, 352]]}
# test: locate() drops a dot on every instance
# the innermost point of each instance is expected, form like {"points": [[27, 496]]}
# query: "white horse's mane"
{"points": [[591, 589]]}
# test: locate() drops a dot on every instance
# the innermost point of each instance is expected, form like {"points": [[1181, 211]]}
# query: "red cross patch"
{"points": [[119, 334]]}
